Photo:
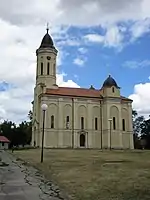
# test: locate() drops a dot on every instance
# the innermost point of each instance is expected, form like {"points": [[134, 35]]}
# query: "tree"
{"points": [[30, 115], [9, 132], [137, 121], [145, 132], [18, 135], [143, 143], [134, 114], [137, 128]]}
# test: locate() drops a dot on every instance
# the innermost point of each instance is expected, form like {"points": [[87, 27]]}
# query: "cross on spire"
{"points": [[47, 27]]}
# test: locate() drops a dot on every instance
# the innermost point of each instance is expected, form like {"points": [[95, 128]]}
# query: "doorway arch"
{"points": [[82, 140]]}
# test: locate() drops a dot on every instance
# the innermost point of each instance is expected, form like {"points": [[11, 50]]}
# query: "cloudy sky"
{"points": [[94, 38]]}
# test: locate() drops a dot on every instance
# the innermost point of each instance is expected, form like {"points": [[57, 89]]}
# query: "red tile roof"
{"points": [[4, 139], [75, 92], [78, 92]]}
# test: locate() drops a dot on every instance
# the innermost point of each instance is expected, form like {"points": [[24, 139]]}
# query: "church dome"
{"points": [[109, 82], [47, 41]]}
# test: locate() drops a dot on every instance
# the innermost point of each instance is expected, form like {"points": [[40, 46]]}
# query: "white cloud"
{"points": [[69, 42], [69, 83], [79, 61], [18, 67], [94, 38], [100, 11], [83, 12], [136, 64], [112, 38], [22, 25], [141, 98], [82, 50], [139, 28], [16, 102]]}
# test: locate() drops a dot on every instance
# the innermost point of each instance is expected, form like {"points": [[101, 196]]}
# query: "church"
{"points": [[78, 117]]}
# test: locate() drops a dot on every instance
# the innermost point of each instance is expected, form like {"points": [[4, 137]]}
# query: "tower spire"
{"points": [[47, 27]]}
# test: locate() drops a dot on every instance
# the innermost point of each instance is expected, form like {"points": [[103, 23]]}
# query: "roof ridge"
{"points": [[75, 88]]}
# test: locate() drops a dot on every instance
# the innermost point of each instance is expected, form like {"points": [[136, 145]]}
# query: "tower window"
{"points": [[41, 68], [114, 123], [113, 89], [52, 121], [67, 122], [82, 122], [96, 124], [123, 124], [48, 68], [67, 119]]}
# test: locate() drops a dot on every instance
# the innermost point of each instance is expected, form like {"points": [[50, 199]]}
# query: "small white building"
{"points": [[4, 142]]}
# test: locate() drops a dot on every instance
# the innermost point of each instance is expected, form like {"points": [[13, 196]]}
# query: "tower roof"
{"points": [[109, 82], [47, 41]]}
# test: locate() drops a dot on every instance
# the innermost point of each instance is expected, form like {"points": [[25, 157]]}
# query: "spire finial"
{"points": [[47, 27]]}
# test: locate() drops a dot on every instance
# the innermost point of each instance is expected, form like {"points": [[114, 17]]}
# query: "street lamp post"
{"points": [[12, 127], [110, 121], [44, 108]]}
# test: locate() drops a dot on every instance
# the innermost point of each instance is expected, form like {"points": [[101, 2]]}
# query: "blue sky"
{"points": [[128, 65], [94, 39]]}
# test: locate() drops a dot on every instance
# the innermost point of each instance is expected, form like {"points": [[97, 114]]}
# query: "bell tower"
{"points": [[45, 78], [46, 62]]}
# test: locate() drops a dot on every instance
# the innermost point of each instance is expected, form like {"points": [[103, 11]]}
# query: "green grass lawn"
{"points": [[95, 175]]}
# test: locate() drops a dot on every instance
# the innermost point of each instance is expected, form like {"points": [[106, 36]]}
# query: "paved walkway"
{"points": [[19, 182]]}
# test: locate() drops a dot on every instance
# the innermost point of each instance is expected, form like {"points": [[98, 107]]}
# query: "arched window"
{"points": [[52, 121], [82, 122], [96, 123], [48, 68], [41, 68], [67, 119], [67, 122], [114, 123], [113, 89], [123, 125]]}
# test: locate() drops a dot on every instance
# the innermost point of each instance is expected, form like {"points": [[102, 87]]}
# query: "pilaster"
{"points": [[89, 124], [60, 122], [76, 124], [130, 126], [120, 127]]}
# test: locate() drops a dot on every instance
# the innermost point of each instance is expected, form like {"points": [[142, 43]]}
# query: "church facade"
{"points": [[78, 117]]}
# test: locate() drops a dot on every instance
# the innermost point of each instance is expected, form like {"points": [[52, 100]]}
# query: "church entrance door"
{"points": [[82, 140]]}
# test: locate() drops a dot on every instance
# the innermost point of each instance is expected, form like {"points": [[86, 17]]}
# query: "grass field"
{"points": [[96, 175]]}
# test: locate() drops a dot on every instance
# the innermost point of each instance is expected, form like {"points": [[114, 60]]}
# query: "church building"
{"points": [[78, 117]]}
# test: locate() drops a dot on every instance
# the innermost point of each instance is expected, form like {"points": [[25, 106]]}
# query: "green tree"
{"points": [[134, 114], [9, 132], [145, 132], [18, 135], [137, 122], [30, 115]]}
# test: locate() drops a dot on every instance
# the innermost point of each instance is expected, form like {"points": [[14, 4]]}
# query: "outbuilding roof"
{"points": [[4, 139]]}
